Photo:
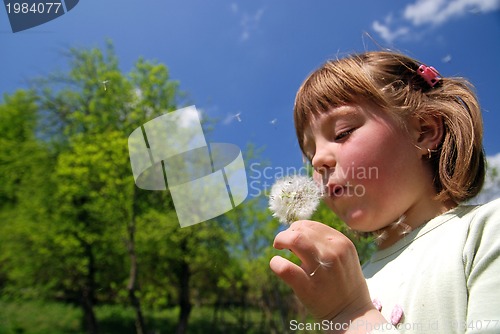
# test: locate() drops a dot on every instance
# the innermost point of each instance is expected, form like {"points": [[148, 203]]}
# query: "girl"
{"points": [[398, 150]]}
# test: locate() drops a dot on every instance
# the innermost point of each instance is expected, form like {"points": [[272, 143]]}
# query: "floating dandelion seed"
{"points": [[400, 224], [237, 116], [321, 264], [380, 236], [294, 198], [446, 59], [406, 229], [231, 117], [104, 83]]}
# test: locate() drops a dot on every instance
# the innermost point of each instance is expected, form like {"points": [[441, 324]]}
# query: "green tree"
{"points": [[76, 228], [24, 164], [84, 116], [73, 236], [91, 197]]}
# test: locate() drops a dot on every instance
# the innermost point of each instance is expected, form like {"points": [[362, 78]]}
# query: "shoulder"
{"points": [[485, 216], [491, 207], [482, 244]]}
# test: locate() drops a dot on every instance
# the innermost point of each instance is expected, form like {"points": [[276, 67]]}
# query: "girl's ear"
{"points": [[427, 132]]}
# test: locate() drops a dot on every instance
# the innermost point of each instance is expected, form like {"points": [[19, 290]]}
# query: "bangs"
{"points": [[336, 83]]}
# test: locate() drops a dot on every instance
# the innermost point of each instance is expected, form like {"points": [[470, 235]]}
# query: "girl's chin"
{"points": [[356, 220], [352, 212], [357, 215]]}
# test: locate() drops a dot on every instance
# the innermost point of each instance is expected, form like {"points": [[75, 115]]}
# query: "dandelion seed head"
{"points": [[294, 198]]}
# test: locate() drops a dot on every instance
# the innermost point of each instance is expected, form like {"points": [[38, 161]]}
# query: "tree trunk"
{"points": [[184, 293], [89, 319], [132, 287], [88, 291], [140, 324]]}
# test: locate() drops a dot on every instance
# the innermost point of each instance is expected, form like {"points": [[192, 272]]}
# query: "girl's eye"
{"points": [[343, 134]]}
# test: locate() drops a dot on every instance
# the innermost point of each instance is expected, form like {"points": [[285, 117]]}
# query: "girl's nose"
{"points": [[323, 158], [324, 163]]}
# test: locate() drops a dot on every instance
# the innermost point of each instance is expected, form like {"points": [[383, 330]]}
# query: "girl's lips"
{"points": [[335, 190]]}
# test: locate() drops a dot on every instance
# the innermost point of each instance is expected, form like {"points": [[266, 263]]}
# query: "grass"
{"points": [[38, 318], [34, 317]]}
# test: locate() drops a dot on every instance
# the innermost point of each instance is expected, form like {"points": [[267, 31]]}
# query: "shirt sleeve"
{"points": [[482, 271]]}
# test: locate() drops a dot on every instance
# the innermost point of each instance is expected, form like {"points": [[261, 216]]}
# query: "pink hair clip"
{"points": [[430, 75]]}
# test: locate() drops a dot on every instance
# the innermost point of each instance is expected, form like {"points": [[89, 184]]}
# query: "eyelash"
{"points": [[343, 134], [338, 137]]}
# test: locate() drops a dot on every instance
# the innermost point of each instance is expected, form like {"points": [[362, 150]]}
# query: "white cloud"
{"points": [[440, 11], [430, 12], [386, 33], [249, 23], [423, 11]]}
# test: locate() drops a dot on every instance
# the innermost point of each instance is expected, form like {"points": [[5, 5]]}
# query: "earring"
{"points": [[429, 151]]}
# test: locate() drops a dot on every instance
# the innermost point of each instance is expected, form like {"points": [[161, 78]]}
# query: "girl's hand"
{"points": [[329, 282]]}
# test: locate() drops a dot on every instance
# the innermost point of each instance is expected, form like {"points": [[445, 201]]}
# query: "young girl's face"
{"points": [[369, 165]]}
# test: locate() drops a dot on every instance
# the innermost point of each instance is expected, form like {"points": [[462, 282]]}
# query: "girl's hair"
{"points": [[390, 81]]}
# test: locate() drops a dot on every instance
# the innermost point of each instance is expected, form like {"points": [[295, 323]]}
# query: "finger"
{"points": [[318, 231], [304, 287], [304, 236], [300, 243], [294, 234], [289, 272], [315, 226]]}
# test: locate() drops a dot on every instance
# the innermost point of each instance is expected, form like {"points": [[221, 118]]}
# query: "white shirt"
{"points": [[445, 275]]}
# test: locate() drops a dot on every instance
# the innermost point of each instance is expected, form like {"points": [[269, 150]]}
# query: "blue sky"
{"points": [[242, 62]]}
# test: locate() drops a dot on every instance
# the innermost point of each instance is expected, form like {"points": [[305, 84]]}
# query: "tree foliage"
{"points": [[75, 228]]}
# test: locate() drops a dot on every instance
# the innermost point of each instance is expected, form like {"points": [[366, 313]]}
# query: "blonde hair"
{"points": [[390, 81]]}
